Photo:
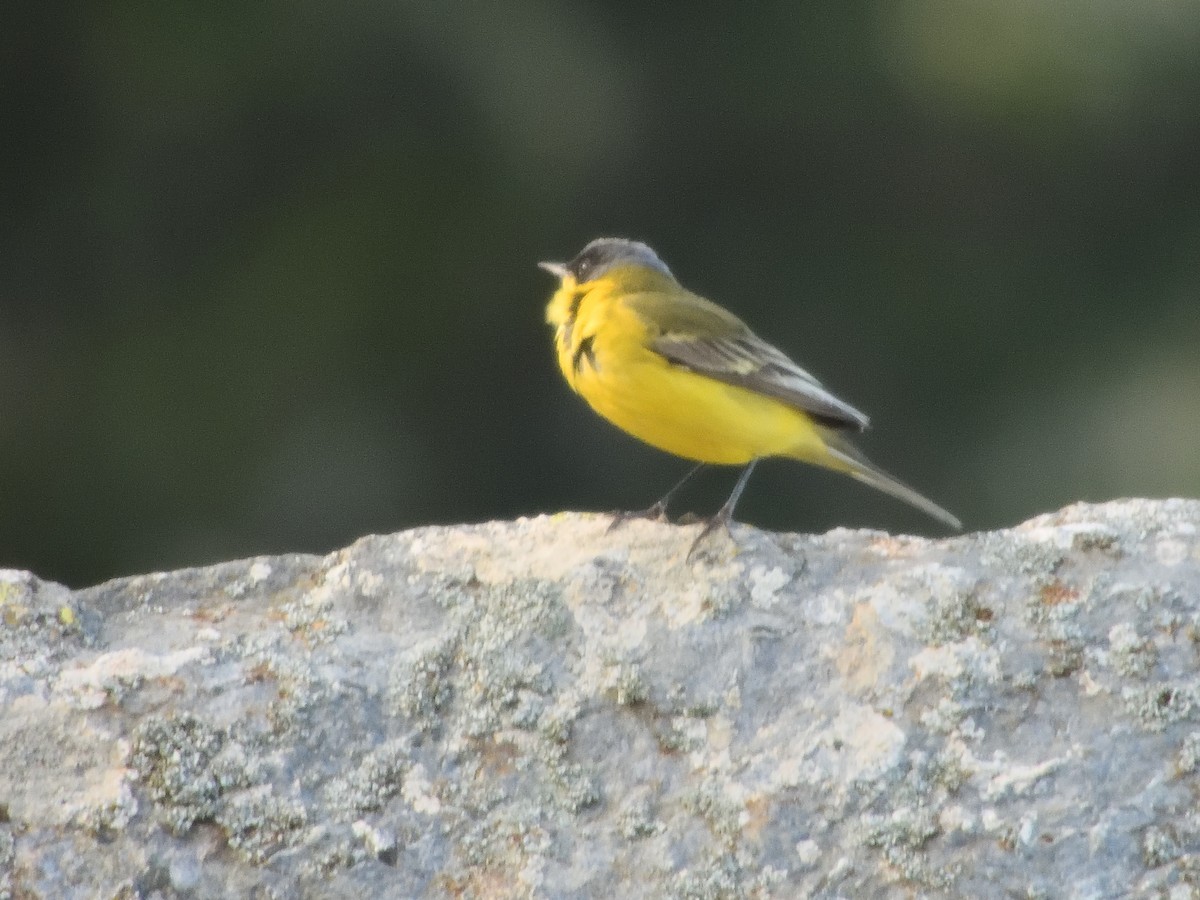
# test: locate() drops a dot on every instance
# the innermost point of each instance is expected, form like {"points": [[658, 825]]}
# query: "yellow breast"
{"points": [[603, 352]]}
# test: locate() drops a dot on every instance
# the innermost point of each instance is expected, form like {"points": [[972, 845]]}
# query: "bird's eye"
{"points": [[582, 268]]}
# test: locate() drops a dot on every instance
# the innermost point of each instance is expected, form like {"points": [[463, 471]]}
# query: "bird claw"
{"points": [[720, 520], [655, 513]]}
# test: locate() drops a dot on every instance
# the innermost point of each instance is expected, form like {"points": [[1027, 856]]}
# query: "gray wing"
{"points": [[745, 360]]}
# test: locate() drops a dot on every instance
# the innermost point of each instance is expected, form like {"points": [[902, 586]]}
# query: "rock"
{"points": [[543, 709]]}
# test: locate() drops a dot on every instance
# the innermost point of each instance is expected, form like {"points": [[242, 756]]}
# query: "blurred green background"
{"points": [[267, 271]]}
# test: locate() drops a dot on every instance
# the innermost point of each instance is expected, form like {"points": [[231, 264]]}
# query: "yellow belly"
{"points": [[690, 415]]}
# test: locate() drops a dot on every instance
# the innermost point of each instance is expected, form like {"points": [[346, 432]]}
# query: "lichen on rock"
{"points": [[543, 708]]}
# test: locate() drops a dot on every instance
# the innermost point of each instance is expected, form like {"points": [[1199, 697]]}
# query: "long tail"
{"points": [[851, 461]]}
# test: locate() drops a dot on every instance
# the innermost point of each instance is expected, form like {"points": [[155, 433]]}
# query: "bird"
{"points": [[685, 375]]}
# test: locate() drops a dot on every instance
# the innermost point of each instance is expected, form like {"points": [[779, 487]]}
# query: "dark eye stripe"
{"points": [[582, 267]]}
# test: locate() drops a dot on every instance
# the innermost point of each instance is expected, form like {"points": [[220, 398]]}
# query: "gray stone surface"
{"points": [[544, 709]]}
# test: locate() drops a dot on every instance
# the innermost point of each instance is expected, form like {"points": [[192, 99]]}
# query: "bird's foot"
{"points": [[721, 520], [657, 512]]}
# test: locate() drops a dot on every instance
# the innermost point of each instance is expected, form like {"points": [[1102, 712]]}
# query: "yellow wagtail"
{"points": [[688, 377]]}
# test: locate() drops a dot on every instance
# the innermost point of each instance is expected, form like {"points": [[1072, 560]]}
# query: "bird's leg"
{"points": [[724, 515], [656, 511]]}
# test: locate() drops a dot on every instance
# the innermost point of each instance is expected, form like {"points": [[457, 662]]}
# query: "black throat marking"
{"points": [[568, 326], [584, 351]]}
